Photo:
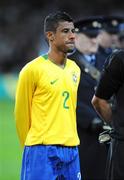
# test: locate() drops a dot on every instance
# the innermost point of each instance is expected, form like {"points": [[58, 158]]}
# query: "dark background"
{"points": [[21, 25]]}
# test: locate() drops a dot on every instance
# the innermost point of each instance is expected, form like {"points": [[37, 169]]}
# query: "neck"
{"points": [[57, 58]]}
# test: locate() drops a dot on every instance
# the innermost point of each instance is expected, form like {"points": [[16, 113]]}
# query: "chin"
{"points": [[70, 50]]}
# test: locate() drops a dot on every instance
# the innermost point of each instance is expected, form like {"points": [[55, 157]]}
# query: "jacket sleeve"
{"points": [[23, 103]]}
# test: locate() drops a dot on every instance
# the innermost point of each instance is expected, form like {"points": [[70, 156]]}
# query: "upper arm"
{"points": [[112, 76], [25, 86], [23, 103]]}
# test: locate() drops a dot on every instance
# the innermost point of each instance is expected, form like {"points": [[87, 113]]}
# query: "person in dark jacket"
{"points": [[92, 153]]}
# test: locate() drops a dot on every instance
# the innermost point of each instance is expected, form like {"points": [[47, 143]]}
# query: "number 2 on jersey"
{"points": [[66, 95]]}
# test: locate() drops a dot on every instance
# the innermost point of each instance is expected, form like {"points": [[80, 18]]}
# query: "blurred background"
{"points": [[21, 40]]}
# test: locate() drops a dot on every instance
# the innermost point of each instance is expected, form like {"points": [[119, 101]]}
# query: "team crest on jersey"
{"points": [[74, 77]]}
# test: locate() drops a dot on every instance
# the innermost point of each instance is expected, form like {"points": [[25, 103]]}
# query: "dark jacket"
{"points": [[89, 124], [85, 110]]}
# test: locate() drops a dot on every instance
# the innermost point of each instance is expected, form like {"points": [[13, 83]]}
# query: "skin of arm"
{"points": [[103, 108]]}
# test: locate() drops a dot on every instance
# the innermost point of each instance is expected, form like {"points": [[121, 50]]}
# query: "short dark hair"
{"points": [[52, 20]]}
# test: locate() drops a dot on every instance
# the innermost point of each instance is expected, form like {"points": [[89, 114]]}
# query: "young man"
{"points": [[112, 83], [45, 107]]}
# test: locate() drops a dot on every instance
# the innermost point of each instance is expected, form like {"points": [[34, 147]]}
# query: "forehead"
{"points": [[65, 25]]}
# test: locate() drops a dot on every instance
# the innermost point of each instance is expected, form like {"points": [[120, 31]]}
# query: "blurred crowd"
{"points": [[22, 39], [21, 32], [20, 35]]}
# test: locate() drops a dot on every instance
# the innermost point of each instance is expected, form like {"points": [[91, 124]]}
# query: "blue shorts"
{"points": [[47, 162]]}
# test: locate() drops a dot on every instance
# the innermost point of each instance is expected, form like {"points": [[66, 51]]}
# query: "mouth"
{"points": [[70, 43]]}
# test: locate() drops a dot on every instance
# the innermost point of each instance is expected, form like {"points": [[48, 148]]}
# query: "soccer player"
{"points": [[45, 107]]}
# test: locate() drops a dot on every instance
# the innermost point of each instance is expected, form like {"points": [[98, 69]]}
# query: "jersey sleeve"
{"points": [[23, 102], [112, 76]]}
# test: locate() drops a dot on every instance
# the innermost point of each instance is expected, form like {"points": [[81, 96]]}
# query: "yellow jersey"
{"points": [[45, 106]]}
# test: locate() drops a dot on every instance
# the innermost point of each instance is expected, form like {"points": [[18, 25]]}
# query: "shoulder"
{"points": [[117, 54], [73, 63], [115, 59], [34, 64], [33, 69]]}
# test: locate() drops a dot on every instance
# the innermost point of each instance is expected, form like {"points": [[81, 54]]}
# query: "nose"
{"points": [[72, 35], [94, 40]]}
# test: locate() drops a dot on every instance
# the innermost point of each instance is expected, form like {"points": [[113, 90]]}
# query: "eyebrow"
{"points": [[66, 28]]}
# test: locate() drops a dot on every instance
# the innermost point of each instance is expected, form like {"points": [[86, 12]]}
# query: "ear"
{"points": [[50, 35]]}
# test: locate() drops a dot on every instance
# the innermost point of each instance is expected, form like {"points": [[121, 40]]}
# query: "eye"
{"points": [[73, 31], [65, 30]]}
